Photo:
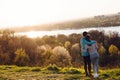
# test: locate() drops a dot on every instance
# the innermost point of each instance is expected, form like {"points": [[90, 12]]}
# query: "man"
{"points": [[85, 54]]}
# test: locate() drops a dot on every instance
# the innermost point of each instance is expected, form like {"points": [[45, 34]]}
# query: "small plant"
{"points": [[74, 71], [36, 69], [22, 69], [53, 68], [70, 71], [2, 78], [72, 78]]}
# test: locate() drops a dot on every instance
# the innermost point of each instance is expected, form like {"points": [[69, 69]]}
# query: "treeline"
{"points": [[60, 50]]}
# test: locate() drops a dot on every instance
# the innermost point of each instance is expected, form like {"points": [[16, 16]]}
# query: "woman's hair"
{"points": [[87, 37]]}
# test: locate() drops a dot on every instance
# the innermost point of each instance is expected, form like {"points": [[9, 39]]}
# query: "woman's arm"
{"points": [[86, 48]]}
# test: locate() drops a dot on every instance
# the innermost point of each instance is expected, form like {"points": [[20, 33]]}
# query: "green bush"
{"points": [[72, 78], [36, 69], [53, 68], [22, 69], [70, 71]]}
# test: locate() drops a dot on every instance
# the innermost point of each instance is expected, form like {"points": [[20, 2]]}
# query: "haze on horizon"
{"points": [[19, 13]]}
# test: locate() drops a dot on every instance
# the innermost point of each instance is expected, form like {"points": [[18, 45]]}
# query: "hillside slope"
{"points": [[96, 21]]}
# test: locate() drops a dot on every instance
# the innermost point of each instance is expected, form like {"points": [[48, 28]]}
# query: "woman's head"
{"points": [[87, 37]]}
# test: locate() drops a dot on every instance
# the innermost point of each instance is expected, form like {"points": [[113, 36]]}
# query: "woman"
{"points": [[94, 56]]}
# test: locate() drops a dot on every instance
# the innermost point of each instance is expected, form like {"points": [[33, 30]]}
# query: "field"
{"points": [[53, 73]]}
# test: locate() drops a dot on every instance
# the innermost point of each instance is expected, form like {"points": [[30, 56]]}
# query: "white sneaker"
{"points": [[95, 75]]}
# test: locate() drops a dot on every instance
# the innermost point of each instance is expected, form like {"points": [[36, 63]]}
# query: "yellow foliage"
{"points": [[113, 49], [101, 50]]}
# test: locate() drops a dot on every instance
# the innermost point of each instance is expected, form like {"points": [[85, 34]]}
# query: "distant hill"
{"points": [[96, 21]]}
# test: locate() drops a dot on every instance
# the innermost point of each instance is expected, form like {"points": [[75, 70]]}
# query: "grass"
{"points": [[53, 72]]}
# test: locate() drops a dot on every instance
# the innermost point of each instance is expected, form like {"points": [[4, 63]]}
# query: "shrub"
{"points": [[36, 69], [63, 57], [22, 69], [21, 58], [113, 49], [53, 68], [70, 70]]}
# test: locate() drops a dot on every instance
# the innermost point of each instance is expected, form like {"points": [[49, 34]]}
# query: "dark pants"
{"points": [[87, 65]]}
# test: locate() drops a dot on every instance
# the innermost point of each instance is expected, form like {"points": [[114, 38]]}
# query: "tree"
{"points": [[67, 45], [29, 45], [119, 52], [76, 54], [63, 57], [103, 56], [101, 50], [48, 57], [21, 58], [114, 55], [97, 35], [113, 37], [40, 55], [4, 58], [74, 38], [62, 38], [113, 50]]}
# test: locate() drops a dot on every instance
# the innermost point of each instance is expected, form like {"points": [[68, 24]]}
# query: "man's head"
{"points": [[85, 33]]}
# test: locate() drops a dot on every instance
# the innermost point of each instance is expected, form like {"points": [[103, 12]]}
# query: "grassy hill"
{"points": [[53, 73], [96, 21]]}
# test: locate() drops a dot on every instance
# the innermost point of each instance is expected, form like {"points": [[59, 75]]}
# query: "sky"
{"points": [[19, 13]]}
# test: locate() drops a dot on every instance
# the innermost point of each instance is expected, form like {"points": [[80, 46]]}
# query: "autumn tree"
{"points": [[62, 39], [113, 50], [4, 58], [21, 57], [50, 40], [67, 45], [114, 55], [48, 57], [76, 54], [63, 57], [74, 38], [41, 52], [112, 39], [101, 50]]}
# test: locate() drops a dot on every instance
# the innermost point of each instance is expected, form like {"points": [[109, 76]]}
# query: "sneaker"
{"points": [[95, 75]]}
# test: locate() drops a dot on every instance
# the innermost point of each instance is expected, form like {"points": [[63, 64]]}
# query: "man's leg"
{"points": [[85, 65], [89, 65]]}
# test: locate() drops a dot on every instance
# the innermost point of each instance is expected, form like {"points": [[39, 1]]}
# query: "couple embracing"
{"points": [[90, 54]]}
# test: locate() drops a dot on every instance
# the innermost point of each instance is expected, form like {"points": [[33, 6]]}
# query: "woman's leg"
{"points": [[93, 63], [96, 68], [96, 65]]}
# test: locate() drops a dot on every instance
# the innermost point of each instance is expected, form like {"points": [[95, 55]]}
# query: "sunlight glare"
{"points": [[19, 13]]}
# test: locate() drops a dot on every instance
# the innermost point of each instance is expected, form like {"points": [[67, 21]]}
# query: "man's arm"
{"points": [[90, 42]]}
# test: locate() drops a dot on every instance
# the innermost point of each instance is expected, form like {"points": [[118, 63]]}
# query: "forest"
{"points": [[60, 50]]}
